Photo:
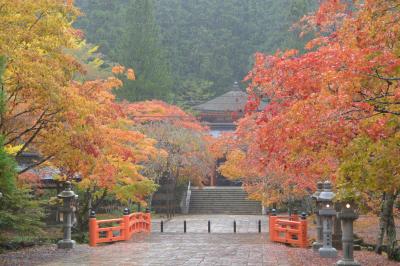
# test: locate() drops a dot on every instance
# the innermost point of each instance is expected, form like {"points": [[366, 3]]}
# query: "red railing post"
{"points": [[126, 225], [93, 234], [140, 222], [272, 224], [134, 222], [148, 221], [303, 231]]}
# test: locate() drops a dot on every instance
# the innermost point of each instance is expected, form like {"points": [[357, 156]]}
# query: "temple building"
{"points": [[220, 113], [220, 195]]}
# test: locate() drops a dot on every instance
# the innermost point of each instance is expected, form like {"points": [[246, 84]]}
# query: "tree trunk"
{"points": [[390, 227], [83, 210], [86, 205], [381, 232], [174, 197], [387, 226]]}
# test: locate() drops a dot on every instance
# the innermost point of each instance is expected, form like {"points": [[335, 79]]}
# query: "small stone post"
{"points": [[67, 196], [327, 212], [318, 243], [347, 217]]}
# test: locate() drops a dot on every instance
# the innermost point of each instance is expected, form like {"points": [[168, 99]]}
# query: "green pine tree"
{"points": [[208, 44], [139, 48]]}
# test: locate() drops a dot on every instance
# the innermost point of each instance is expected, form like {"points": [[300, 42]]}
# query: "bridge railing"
{"points": [[120, 229], [288, 229]]}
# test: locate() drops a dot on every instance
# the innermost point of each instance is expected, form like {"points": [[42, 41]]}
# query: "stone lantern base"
{"points": [[327, 252], [66, 244], [343, 262], [316, 246]]}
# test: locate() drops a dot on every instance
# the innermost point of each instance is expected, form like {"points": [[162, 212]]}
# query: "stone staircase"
{"points": [[222, 200]]}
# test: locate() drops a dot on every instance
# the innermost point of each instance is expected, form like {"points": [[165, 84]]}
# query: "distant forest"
{"points": [[187, 51]]}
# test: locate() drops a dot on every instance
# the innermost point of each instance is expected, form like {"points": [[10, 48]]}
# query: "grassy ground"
{"points": [[12, 241]]}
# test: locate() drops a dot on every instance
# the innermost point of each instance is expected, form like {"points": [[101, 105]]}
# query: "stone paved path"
{"points": [[173, 247], [182, 249], [196, 247], [219, 224]]}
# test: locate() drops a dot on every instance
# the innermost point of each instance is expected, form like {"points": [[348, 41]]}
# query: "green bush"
{"points": [[20, 214]]}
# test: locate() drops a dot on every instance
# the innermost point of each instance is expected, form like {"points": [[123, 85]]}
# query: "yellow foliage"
{"points": [[13, 150], [232, 168]]}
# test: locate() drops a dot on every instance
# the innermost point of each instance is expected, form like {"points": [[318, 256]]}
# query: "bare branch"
{"points": [[30, 139], [35, 164], [34, 127], [383, 111], [37, 20], [384, 78]]}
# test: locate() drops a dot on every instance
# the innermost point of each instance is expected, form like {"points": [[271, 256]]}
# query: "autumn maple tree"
{"points": [[183, 144], [333, 111], [32, 38], [71, 120], [94, 142]]}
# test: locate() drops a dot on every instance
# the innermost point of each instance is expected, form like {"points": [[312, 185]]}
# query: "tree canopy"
{"points": [[195, 48], [334, 110]]}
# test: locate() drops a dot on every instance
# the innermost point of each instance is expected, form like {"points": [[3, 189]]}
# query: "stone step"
{"points": [[233, 200], [226, 211], [253, 212], [219, 194], [223, 206], [223, 200], [216, 200]]}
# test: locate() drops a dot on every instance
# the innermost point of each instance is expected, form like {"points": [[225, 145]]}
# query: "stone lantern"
{"points": [[318, 243], [347, 217], [327, 212], [68, 196]]}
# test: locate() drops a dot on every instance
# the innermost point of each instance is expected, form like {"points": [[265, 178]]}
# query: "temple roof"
{"points": [[234, 100]]}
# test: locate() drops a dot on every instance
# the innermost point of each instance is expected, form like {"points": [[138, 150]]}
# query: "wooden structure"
{"points": [[46, 174], [288, 230], [220, 113], [119, 229]]}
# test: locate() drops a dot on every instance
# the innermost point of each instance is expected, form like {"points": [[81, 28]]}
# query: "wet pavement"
{"points": [[184, 249], [218, 224], [196, 247], [174, 247]]}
